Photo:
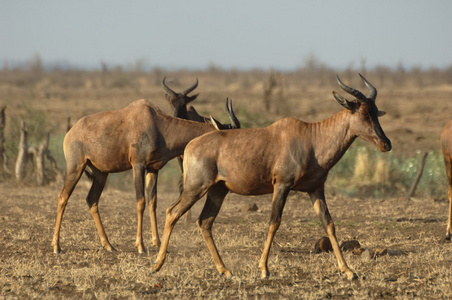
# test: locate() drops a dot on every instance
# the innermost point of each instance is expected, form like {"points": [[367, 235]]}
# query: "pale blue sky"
{"points": [[229, 34]]}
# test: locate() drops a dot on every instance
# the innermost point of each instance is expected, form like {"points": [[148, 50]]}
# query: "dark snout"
{"points": [[383, 143], [380, 140], [386, 146]]}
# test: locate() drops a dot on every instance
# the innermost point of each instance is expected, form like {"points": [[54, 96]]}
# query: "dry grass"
{"points": [[418, 264]]}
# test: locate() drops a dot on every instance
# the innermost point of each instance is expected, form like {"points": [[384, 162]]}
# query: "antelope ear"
{"points": [[381, 113], [215, 123], [191, 98], [343, 102]]}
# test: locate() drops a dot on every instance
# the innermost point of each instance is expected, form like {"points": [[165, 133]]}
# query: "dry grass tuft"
{"points": [[382, 172], [362, 167]]}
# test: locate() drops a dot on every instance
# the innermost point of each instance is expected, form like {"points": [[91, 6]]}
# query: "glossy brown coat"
{"points": [[138, 137], [288, 155]]}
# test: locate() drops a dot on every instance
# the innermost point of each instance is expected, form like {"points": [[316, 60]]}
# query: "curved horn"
{"points": [[360, 96], [234, 120], [185, 93], [167, 89], [373, 91]]}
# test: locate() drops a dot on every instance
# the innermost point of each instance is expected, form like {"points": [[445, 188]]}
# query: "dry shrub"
{"points": [[381, 173], [362, 166]]}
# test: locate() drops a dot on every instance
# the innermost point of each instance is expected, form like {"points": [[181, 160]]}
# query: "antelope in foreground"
{"points": [[138, 137], [287, 155], [446, 147]]}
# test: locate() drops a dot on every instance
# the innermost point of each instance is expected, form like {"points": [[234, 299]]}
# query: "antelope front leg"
{"points": [[321, 209]]}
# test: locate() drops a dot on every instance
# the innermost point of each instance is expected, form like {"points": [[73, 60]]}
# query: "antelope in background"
{"points": [[287, 155], [179, 102], [446, 147], [138, 137]]}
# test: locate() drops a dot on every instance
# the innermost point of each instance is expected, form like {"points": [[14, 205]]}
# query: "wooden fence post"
{"points": [[420, 169]]}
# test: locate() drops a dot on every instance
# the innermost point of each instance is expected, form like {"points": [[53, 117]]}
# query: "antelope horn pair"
{"points": [[173, 93], [235, 123], [360, 96]]}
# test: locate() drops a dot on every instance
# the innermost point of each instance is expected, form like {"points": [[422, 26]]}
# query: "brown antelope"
{"points": [[446, 147], [287, 155], [138, 137]]}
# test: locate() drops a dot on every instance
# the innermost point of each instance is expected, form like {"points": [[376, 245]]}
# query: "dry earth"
{"points": [[417, 263]]}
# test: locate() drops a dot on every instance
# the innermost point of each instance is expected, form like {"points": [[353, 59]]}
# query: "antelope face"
{"points": [[365, 115], [179, 101], [370, 128]]}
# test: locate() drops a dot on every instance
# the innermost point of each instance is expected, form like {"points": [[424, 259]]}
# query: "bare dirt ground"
{"points": [[417, 264]]}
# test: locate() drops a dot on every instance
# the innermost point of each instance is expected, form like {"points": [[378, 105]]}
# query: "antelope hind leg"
{"points": [[214, 200], [92, 199]]}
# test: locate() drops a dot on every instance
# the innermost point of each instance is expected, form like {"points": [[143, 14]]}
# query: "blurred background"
{"points": [[60, 61]]}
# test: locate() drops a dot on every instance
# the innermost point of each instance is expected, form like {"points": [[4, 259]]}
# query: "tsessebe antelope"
{"points": [[138, 137], [287, 155]]}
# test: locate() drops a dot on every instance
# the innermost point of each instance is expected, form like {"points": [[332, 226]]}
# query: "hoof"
{"points": [[154, 270], [56, 248], [226, 274], [140, 248], [352, 276], [110, 249]]}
